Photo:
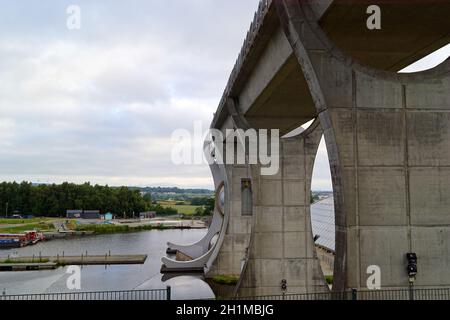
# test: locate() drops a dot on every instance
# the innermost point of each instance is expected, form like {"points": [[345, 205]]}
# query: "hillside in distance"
{"points": [[175, 190]]}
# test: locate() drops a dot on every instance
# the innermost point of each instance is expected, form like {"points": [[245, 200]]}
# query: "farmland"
{"points": [[182, 207]]}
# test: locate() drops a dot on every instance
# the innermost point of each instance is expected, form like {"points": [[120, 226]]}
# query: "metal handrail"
{"points": [[154, 294], [394, 294]]}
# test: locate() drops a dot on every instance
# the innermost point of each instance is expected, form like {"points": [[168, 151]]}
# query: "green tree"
{"points": [[54, 200]]}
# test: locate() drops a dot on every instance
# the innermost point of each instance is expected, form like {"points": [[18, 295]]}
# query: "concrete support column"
{"points": [[282, 244], [237, 235]]}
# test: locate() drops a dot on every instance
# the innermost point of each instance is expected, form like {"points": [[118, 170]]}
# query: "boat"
{"points": [[8, 243], [11, 240], [33, 237]]}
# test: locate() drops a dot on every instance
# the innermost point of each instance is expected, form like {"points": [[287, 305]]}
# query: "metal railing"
{"points": [[157, 294], [398, 294], [165, 294]]}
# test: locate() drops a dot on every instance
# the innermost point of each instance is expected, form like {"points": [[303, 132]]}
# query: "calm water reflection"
{"points": [[99, 278]]}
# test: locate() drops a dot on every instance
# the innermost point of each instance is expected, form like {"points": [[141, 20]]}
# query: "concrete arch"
{"points": [[388, 140], [335, 167], [262, 269], [386, 134], [314, 37]]}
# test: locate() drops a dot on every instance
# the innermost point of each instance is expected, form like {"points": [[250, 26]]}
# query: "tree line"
{"points": [[54, 200], [206, 206]]}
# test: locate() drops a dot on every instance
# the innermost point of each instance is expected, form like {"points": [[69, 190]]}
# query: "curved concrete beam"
{"points": [[199, 248], [203, 253], [202, 246]]}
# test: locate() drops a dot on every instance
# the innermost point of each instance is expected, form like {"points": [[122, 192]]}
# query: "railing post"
{"points": [[354, 294], [411, 291], [169, 292]]}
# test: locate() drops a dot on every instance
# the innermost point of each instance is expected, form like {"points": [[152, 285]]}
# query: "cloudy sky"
{"points": [[100, 104]]}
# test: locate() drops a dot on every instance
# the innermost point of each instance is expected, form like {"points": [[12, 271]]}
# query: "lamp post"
{"points": [[283, 288], [412, 272]]}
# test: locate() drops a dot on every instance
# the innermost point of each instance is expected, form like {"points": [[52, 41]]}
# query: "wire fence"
{"points": [[400, 294], [157, 294]]}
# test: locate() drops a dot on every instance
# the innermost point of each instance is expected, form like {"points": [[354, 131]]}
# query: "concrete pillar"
{"points": [[282, 244], [233, 250], [388, 139]]}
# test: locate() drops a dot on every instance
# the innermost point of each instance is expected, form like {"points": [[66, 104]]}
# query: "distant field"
{"points": [[180, 196], [23, 221], [185, 209], [168, 203]]}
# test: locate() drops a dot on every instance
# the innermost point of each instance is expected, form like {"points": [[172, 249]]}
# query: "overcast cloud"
{"points": [[99, 104]]}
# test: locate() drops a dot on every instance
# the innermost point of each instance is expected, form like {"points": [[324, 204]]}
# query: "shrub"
{"points": [[226, 279], [329, 280]]}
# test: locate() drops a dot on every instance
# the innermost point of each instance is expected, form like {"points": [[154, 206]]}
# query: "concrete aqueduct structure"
{"points": [[387, 136]]}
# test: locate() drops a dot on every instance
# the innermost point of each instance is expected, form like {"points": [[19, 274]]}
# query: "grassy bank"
{"points": [[25, 261], [112, 228], [43, 226], [23, 221]]}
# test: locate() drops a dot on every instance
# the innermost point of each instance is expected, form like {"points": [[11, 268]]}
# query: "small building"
{"points": [[147, 215], [74, 214], [83, 214], [108, 216], [91, 214]]}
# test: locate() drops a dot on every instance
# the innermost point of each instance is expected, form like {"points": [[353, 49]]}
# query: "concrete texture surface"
{"points": [[387, 136]]}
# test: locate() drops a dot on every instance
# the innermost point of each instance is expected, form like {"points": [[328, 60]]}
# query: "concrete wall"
{"points": [[272, 59], [236, 241], [282, 243], [326, 258], [388, 138]]}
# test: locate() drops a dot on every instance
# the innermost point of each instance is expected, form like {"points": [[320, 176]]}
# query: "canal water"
{"points": [[110, 278]]}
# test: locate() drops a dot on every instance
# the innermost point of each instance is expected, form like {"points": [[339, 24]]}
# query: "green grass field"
{"points": [[26, 227], [185, 208], [23, 221], [21, 225]]}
